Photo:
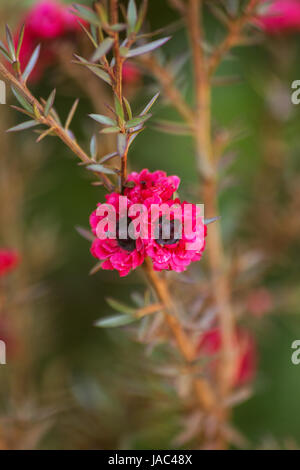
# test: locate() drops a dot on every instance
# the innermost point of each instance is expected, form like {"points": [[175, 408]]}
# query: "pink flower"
{"points": [[149, 184], [210, 344], [46, 20], [282, 16], [120, 254], [9, 259], [172, 233], [131, 74], [259, 302], [178, 249], [71, 21]]}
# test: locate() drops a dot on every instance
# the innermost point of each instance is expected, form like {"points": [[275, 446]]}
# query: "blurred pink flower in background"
{"points": [[211, 344], [259, 302], [9, 259], [280, 16], [46, 22], [131, 74]]}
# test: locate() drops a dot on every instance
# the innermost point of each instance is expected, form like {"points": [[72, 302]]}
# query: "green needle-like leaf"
{"points": [[115, 321], [131, 15], [23, 126], [97, 168], [86, 14], [21, 99], [32, 62], [137, 121], [150, 104], [151, 46], [102, 49], [119, 306], [50, 102], [103, 119], [10, 43], [93, 147], [20, 41]]}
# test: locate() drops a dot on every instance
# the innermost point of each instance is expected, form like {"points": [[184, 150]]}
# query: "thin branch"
{"points": [[205, 393], [206, 169], [166, 79], [118, 82], [51, 122], [233, 38]]}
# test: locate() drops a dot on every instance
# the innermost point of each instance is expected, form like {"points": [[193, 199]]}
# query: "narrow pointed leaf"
{"points": [[87, 234], [86, 14], [211, 220], [150, 104], [71, 114], [131, 15], [120, 306], [141, 15], [45, 134], [89, 35], [100, 73], [96, 70], [97, 168], [110, 130], [128, 108], [121, 144], [151, 46], [103, 119], [22, 110], [20, 41], [115, 321], [21, 99], [118, 27], [102, 49], [108, 157], [119, 108], [93, 147], [10, 43], [94, 30], [50, 102], [23, 126], [32, 62], [137, 121], [174, 128], [4, 52], [96, 268]]}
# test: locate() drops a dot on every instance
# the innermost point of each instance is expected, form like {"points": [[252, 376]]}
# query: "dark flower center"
{"points": [[164, 237], [127, 243]]}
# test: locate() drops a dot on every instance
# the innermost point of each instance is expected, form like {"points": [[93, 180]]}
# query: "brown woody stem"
{"points": [[51, 122]]}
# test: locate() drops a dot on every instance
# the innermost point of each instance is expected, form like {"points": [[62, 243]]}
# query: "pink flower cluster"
{"points": [[9, 259], [210, 344], [169, 253], [45, 22], [281, 16]]}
